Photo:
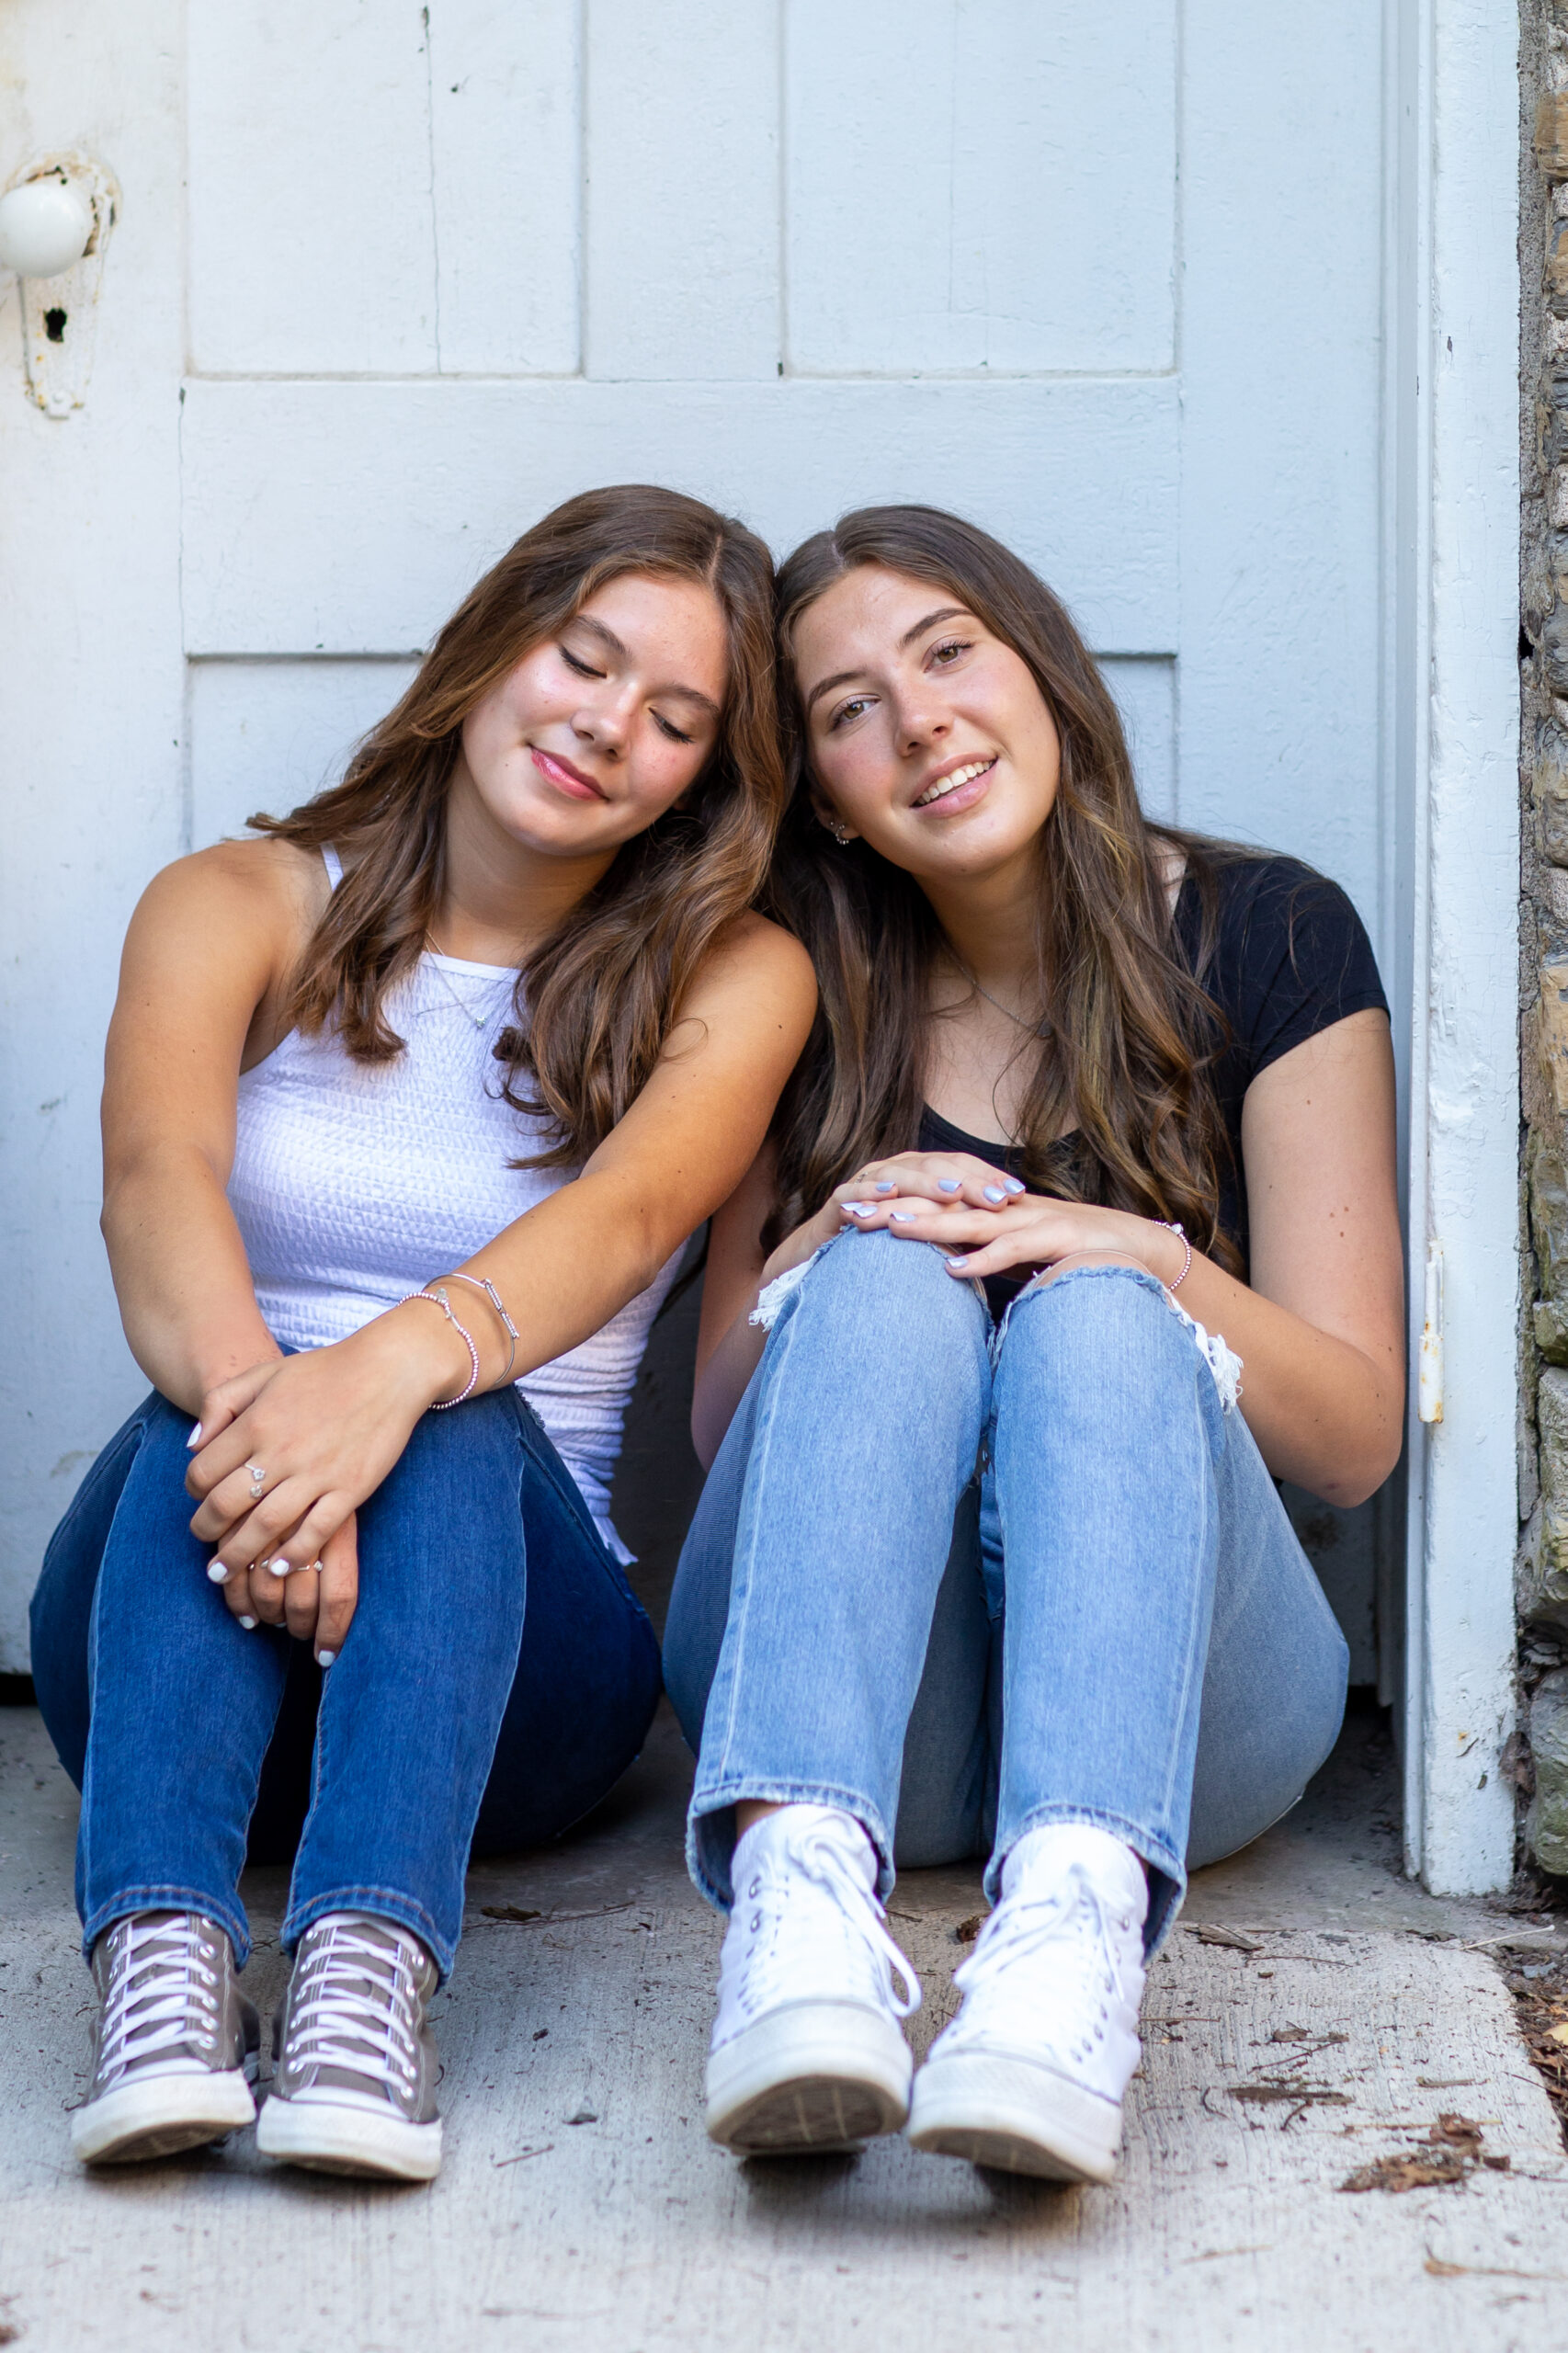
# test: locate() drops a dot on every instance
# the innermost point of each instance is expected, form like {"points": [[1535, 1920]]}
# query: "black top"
{"points": [[1290, 957]]}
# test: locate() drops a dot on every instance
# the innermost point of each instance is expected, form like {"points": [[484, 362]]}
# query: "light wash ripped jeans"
{"points": [[961, 1579]]}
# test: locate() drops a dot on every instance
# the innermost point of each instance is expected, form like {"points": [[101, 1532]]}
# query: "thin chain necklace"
{"points": [[1036, 1029], [480, 1021]]}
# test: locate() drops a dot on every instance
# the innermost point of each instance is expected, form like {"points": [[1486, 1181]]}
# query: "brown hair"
{"points": [[603, 990], [1133, 1034]]}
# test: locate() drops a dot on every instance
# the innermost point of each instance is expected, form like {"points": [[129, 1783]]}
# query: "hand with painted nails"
{"points": [[315, 1604], [1029, 1233], [287, 1452], [881, 1192]]}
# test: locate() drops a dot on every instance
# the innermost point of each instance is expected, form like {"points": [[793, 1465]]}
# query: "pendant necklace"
{"points": [[1036, 1029], [480, 1021]]}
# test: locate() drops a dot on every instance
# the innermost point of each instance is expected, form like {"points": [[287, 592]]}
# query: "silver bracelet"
{"points": [[1180, 1233], [437, 1297], [481, 1282]]}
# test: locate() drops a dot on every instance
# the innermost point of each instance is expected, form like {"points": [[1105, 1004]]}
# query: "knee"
{"points": [[886, 1281], [1110, 1328], [1103, 1303]]}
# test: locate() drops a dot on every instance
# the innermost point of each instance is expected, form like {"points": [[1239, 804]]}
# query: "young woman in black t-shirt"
{"points": [[991, 1559]]}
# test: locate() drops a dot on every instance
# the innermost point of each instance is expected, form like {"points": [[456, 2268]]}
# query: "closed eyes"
{"points": [[586, 670]]}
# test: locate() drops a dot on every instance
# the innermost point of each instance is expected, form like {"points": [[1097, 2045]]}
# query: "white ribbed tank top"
{"points": [[353, 1183]]}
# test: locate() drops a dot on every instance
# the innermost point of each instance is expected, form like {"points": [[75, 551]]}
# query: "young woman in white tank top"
{"points": [[411, 1104]]}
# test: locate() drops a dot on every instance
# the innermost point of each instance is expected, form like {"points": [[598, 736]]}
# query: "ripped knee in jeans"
{"points": [[1222, 1362]]}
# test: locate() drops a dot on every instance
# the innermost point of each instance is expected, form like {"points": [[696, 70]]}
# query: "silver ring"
{"points": [[257, 1479]]}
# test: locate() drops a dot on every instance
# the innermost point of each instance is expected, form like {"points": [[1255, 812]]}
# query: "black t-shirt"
{"points": [[1290, 957]]}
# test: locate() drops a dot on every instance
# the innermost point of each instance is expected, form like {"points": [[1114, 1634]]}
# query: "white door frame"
{"points": [[1452, 515]]}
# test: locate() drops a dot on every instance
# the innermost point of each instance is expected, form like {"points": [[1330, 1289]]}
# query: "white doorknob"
{"points": [[45, 226]]}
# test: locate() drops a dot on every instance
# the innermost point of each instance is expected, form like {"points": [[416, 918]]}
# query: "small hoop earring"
{"points": [[841, 834]]}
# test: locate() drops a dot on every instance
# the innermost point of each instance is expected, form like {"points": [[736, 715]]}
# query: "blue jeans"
{"points": [[962, 1580], [498, 1676]]}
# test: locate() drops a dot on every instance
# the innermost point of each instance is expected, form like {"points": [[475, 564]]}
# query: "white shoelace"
{"points": [[334, 2020], [163, 1989], [817, 1853], [1075, 1915]]}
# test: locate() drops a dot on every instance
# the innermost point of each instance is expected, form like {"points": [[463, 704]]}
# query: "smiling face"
{"points": [[599, 729], [927, 736]]}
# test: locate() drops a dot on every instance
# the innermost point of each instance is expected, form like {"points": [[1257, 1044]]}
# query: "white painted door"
{"points": [[1103, 274]]}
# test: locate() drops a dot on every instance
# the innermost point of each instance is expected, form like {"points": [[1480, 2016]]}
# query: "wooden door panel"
{"points": [[981, 185], [682, 245], [506, 177], [266, 735], [350, 518], [311, 228]]}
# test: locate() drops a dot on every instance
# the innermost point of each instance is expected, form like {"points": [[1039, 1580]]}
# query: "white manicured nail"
{"points": [[279, 1568], [217, 1572], [249, 1625], [325, 1659], [194, 1440]]}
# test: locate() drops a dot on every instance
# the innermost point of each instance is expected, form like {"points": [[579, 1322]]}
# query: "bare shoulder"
{"points": [[269, 890], [754, 949], [756, 995]]}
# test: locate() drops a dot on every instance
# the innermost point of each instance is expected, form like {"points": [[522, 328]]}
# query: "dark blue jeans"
{"points": [[498, 1678]]}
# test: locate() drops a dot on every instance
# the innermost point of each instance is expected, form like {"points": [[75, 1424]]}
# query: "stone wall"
{"points": [[1539, 1761]]}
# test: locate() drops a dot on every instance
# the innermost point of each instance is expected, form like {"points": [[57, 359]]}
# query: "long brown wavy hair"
{"points": [[1122, 1109], [597, 1001]]}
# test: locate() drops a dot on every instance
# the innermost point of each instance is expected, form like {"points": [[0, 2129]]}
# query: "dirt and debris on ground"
{"points": [[1332, 2019], [1539, 1984]]}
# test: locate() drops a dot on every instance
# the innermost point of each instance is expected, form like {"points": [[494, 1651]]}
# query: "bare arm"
{"points": [[329, 1425], [206, 963], [1321, 1329]]}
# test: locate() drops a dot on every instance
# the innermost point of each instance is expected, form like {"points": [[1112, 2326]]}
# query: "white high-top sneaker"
{"points": [[1031, 2075], [808, 2054]]}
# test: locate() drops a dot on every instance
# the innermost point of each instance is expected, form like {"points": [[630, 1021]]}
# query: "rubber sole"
{"points": [[328, 2138], [816, 2077], [1015, 2115], [160, 2116]]}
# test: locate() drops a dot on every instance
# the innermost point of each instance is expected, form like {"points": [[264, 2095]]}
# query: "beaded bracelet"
{"points": [[1180, 1233], [481, 1282], [437, 1297]]}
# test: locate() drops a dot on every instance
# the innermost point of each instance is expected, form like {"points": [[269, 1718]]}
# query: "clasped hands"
{"points": [[986, 1223], [284, 1453]]}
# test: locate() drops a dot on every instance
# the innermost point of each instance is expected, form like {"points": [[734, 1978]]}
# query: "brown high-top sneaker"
{"points": [[174, 2043], [354, 2084]]}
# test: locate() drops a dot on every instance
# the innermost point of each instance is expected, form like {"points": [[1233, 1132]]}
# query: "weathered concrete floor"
{"points": [[583, 2208]]}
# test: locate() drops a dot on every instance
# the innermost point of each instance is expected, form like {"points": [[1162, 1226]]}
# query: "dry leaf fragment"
{"points": [[1210, 1934], [967, 1930], [1440, 2171]]}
